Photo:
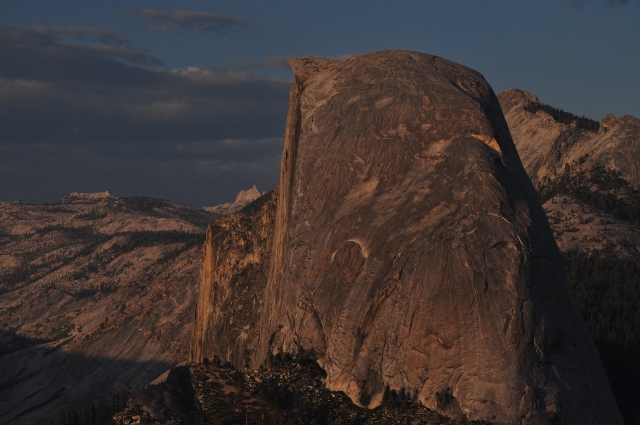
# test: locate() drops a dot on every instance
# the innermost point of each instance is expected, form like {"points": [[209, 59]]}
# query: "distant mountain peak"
{"points": [[248, 195], [243, 198]]}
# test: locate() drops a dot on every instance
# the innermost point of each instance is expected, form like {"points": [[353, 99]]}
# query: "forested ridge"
{"points": [[607, 290], [598, 187], [564, 117], [606, 287], [99, 412]]}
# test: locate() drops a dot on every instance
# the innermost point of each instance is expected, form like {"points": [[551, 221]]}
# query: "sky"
{"points": [[187, 100]]}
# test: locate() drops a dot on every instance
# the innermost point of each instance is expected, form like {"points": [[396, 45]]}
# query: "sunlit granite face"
{"points": [[411, 250]]}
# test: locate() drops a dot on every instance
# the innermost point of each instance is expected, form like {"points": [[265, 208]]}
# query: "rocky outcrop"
{"points": [[547, 147], [409, 250], [243, 198], [233, 275], [167, 400], [581, 228], [591, 173]]}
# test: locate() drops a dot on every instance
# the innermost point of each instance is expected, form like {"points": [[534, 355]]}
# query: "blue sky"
{"points": [[187, 100]]}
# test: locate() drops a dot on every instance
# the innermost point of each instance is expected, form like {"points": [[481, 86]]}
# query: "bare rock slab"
{"points": [[410, 249]]}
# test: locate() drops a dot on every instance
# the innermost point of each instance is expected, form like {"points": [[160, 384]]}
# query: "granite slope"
{"points": [[95, 291], [547, 146], [410, 248]]}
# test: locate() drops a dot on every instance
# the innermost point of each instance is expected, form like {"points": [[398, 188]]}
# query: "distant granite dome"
{"points": [[576, 170], [409, 250], [91, 195], [88, 196]]}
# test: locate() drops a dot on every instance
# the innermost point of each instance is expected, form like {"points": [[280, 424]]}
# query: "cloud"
{"points": [[163, 28], [89, 89], [196, 22], [78, 117], [279, 62], [30, 52], [105, 35], [137, 56], [21, 92]]}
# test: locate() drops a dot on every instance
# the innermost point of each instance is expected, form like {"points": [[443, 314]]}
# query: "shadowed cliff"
{"points": [[586, 176]]}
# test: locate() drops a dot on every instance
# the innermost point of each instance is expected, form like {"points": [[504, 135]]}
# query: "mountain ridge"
{"points": [[587, 182], [97, 291]]}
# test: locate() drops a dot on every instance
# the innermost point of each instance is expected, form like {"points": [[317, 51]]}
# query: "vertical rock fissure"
{"points": [[274, 293]]}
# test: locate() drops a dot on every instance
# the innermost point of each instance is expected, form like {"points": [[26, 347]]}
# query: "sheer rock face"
{"points": [[411, 250], [233, 275]]}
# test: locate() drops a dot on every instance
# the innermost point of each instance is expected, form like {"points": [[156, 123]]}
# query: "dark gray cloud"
{"points": [[106, 36], [196, 22], [163, 28], [78, 117], [34, 54]]}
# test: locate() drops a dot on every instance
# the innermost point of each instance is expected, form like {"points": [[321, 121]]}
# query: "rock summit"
{"points": [[410, 250]]}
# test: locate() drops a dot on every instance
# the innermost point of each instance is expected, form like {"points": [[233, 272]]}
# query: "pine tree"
{"points": [[385, 395]]}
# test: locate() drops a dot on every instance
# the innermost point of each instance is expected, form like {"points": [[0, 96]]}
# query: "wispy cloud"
{"points": [[104, 35], [137, 56], [83, 117], [56, 39], [195, 22], [163, 28]]}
